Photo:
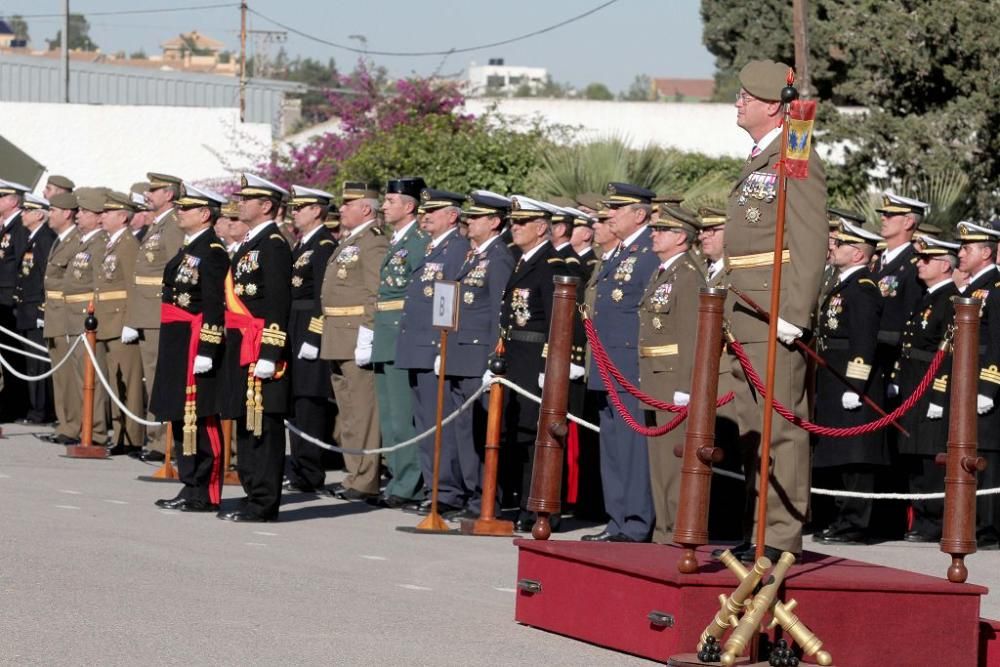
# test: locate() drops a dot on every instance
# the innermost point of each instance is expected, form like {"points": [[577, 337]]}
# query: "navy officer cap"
{"points": [[484, 202], [622, 194], [432, 200]]}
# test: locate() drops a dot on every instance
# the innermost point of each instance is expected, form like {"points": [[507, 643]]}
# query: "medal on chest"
{"points": [[519, 305], [625, 269], [661, 297], [27, 263], [187, 271], [888, 286], [109, 266], [348, 256], [477, 276], [248, 263], [833, 310]]}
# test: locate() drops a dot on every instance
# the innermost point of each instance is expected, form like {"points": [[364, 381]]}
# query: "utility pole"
{"points": [[65, 52], [800, 31], [243, 60]]}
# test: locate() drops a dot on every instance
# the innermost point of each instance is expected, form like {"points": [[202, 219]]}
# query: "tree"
{"points": [[138, 55], [20, 27], [597, 91], [79, 35], [640, 90]]}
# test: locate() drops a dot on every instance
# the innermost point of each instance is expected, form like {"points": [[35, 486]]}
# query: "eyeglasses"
{"points": [[744, 97]]}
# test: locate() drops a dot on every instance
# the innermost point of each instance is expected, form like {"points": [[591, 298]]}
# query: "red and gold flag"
{"points": [[801, 116]]}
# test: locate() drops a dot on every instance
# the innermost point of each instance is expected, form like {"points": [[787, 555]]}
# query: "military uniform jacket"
{"points": [[399, 264], [668, 329], [588, 262], [483, 279], [13, 242], [922, 334], [419, 342], [111, 280], [847, 339], [751, 223], [310, 377], [159, 243], [987, 289], [194, 281], [621, 284], [526, 313], [56, 277], [901, 290], [350, 290], [29, 293], [78, 290], [262, 278]]}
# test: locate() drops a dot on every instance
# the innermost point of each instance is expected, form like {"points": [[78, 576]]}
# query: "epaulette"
{"points": [[276, 236], [376, 230], [591, 262], [326, 242], [556, 260], [572, 260], [869, 281], [510, 245], [914, 260], [217, 245]]}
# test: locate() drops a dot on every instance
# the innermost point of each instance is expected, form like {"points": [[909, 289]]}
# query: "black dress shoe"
{"points": [[170, 503], [152, 456], [622, 537], [603, 536], [771, 553], [919, 538], [352, 494], [841, 537], [736, 550], [197, 506], [524, 525], [121, 448], [392, 502], [293, 487], [244, 516], [59, 439]]}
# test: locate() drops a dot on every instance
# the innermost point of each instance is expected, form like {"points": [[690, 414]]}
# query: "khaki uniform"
{"points": [[124, 364], [160, 243], [668, 329], [750, 229], [66, 389], [78, 292], [350, 290]]}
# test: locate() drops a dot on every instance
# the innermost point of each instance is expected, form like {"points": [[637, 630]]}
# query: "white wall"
{"points": [[115, 146]]}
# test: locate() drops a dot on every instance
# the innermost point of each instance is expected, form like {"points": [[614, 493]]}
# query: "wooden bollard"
{"points": [[487, 523], [700, 452], [86, 448], [166, 472], [550, 442], [958, 535], [229, 477]]}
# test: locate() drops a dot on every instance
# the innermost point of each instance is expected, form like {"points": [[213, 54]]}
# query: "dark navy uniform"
{"points": [[847, 338], [901, 290], [13, 243], [988, 507], [261, 275], [193, 282], [311, 391], [29, 296]]}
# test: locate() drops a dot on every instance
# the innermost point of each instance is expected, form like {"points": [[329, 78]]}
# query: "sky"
{"points": [[659, 38]]}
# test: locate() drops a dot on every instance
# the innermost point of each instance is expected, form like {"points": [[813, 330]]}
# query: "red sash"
{"points": [[170, 314], [251, 328]]}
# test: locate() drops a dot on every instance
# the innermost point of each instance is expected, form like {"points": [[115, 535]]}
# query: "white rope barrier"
{"points": [[17, 336], [24, 353], [36, 378], [523, 392], [113, 394]]}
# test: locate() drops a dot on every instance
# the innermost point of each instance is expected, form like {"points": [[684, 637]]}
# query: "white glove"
{"points": [[129, 335], [983, 404], [39, 324], [681, 399], [308, 352], [850, 400], [541, 380], [487, 377], [934, 411], [576, 372], [363, 348], [263, 370], [893, 391], [788, 332], [202, 364], [437, 365]]}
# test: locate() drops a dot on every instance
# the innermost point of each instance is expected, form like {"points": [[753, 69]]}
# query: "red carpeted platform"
{"points": [[630, 597]]}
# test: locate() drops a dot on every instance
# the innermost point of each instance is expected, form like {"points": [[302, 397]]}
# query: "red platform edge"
{"points": [[602, 593]]}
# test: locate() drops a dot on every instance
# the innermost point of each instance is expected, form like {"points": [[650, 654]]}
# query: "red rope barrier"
{"points": [[842, 432]]}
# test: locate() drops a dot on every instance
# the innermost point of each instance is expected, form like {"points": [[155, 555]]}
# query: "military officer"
{"points": [[311, 392], [668, 323], [392, 383], [255, 385], [751, 221], [525, 316], [350, 292], [847, 336], [57, 184], [712, 239], [922, 334], [29, 297], [620, 285], [13, 241], [78, 293], [66, 392], [562, 233], [482, 279], [418, 345], [583, 244], [191, 328], [159, 243], [977, 257]]}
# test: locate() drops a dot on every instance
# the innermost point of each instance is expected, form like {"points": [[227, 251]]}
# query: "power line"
{"points": [[162, 10], [369, 52]]}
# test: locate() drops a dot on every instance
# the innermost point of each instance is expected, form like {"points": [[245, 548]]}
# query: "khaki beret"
{"points": [[64, 200], [591, 200], [90, 199], [764, 79], [676, 217], [61, 182]]}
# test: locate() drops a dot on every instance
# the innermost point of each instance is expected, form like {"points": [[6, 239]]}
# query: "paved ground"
{"points": [[92, 573]]}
